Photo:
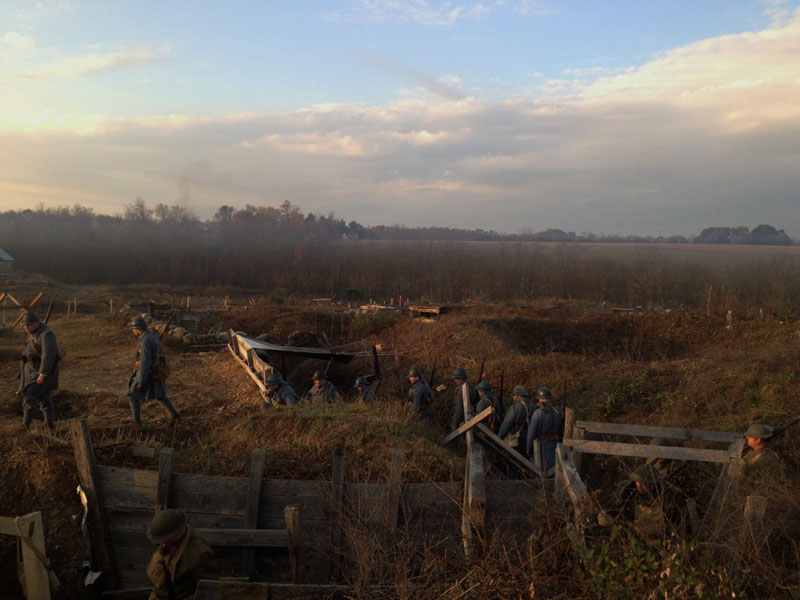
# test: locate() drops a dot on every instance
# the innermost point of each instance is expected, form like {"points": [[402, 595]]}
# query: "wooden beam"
{"points": [[337, 489], [252, 375], [666, 432], [166, 466], [394, 490], [9, 527], [87, 474], [257, 460], [37, 581], [671, 452], [464, 427], [507, 451], [568, 479], [476, 496], [295, 538], [247, 538]]}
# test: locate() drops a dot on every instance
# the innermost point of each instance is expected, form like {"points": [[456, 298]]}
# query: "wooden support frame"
{"points": [[31, 528], [394, 490], [337, 510], [510, 453], [294, 533], [166, 466], [468, 425], [254, 484], [24, 309], [670, 452], [649, 431], [96, 520], [568, 481]]}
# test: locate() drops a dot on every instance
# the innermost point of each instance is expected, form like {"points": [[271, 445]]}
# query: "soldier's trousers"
{"points": [[136, 408], [32, 402]]}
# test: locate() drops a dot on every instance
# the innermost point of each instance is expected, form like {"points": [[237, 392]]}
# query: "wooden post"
{"points": [[254, 484], [296, 552], [578, 433], [337, 484], [187, 302], [75, 311], [569, 423], [477, 488], [37, 580], [166, 465], [394, 490], [111, 305], [87, 473]]}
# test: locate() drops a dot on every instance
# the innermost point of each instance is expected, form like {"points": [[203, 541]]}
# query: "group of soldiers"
{"points": [[281, 393]]}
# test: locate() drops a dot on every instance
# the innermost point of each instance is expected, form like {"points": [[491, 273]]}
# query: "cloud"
{"points": [[706, 134], [18, 41], [91, 63], [429, 13]]}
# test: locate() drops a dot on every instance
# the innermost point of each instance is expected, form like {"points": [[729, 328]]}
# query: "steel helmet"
{"points": [[544, 393], [319, 374], [484, 386], [361, 381], [414, 372], [274, 378], [519, 390], [139, 323], [460, 373], [758, 431], [30, 318]]}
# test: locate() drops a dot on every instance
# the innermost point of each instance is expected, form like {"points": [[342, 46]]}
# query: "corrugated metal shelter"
{"points": [[6, 262]]}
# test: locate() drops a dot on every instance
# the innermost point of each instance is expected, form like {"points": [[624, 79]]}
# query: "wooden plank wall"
{"points": [[430, 512]]}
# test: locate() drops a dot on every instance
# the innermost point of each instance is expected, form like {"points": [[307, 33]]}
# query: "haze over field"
{"points": [[626, 117]]}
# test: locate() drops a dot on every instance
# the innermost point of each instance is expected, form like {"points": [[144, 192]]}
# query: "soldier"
{"points": [[545, 426], [322, 390], [149, 379], [669, 470], [279, 392], [460, 378], [514, 428], [420, 393], [39, 372], [487, 399], [365, 393], [181, 560], [761, 459]]}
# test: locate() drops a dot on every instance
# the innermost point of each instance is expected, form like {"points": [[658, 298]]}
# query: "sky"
{"points": [[656, 117]]}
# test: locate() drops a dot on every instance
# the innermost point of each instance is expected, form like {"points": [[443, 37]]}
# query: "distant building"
{"points": [[6, 262]]}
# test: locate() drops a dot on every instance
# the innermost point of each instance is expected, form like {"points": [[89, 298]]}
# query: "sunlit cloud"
{"points": [[90, 64], [13, 39], [430, 13]]}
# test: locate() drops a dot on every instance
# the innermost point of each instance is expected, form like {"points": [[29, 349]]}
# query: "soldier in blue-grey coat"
{"points": [[279, 392], [514, 428], [420, 393], [322, 390], [39, 373], [366, 394], [147, 382], [545, 426], [460, 378]]}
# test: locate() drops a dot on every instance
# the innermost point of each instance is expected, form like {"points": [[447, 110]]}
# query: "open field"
{"points": [[679, 369]]}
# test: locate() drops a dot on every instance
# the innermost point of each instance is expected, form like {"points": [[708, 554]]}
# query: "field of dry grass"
{"points": [[675, 369]]}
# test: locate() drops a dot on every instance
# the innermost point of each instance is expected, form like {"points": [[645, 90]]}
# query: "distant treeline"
{"points": [[282, 251]]}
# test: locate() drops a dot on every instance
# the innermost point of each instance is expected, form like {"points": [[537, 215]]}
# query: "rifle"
{"points": [[563, 408], [480, 373], [433, 372], [166, 326]]}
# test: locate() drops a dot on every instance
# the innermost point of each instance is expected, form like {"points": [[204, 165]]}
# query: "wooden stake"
{"points": [[257, 460], [296, 552], [166, 465]]}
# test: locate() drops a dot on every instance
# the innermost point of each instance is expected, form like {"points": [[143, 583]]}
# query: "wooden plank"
{"points": [[671, 452], [166, 465], [476, 497], [569, 422], [87, 474], [394, 490], [570, 480], [337, 485], [295, 540], [36, 578], [507, 451], [210, 494], [257, 459], [666, 432], [208, 589], [9, 527], [252, 375], [255, 538], [464, 427]]}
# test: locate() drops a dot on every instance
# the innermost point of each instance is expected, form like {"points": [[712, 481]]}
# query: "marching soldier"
{"points": [[545, 426], [487, 399], [279, 392], [419, 394], [514, 428], [366, 395], [322, 390], [460, 378], [39, 373], [149, 379]]}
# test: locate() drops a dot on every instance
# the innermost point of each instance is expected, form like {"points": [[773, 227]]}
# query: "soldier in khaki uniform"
{"points": [[181, 560], [761, 460]]}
